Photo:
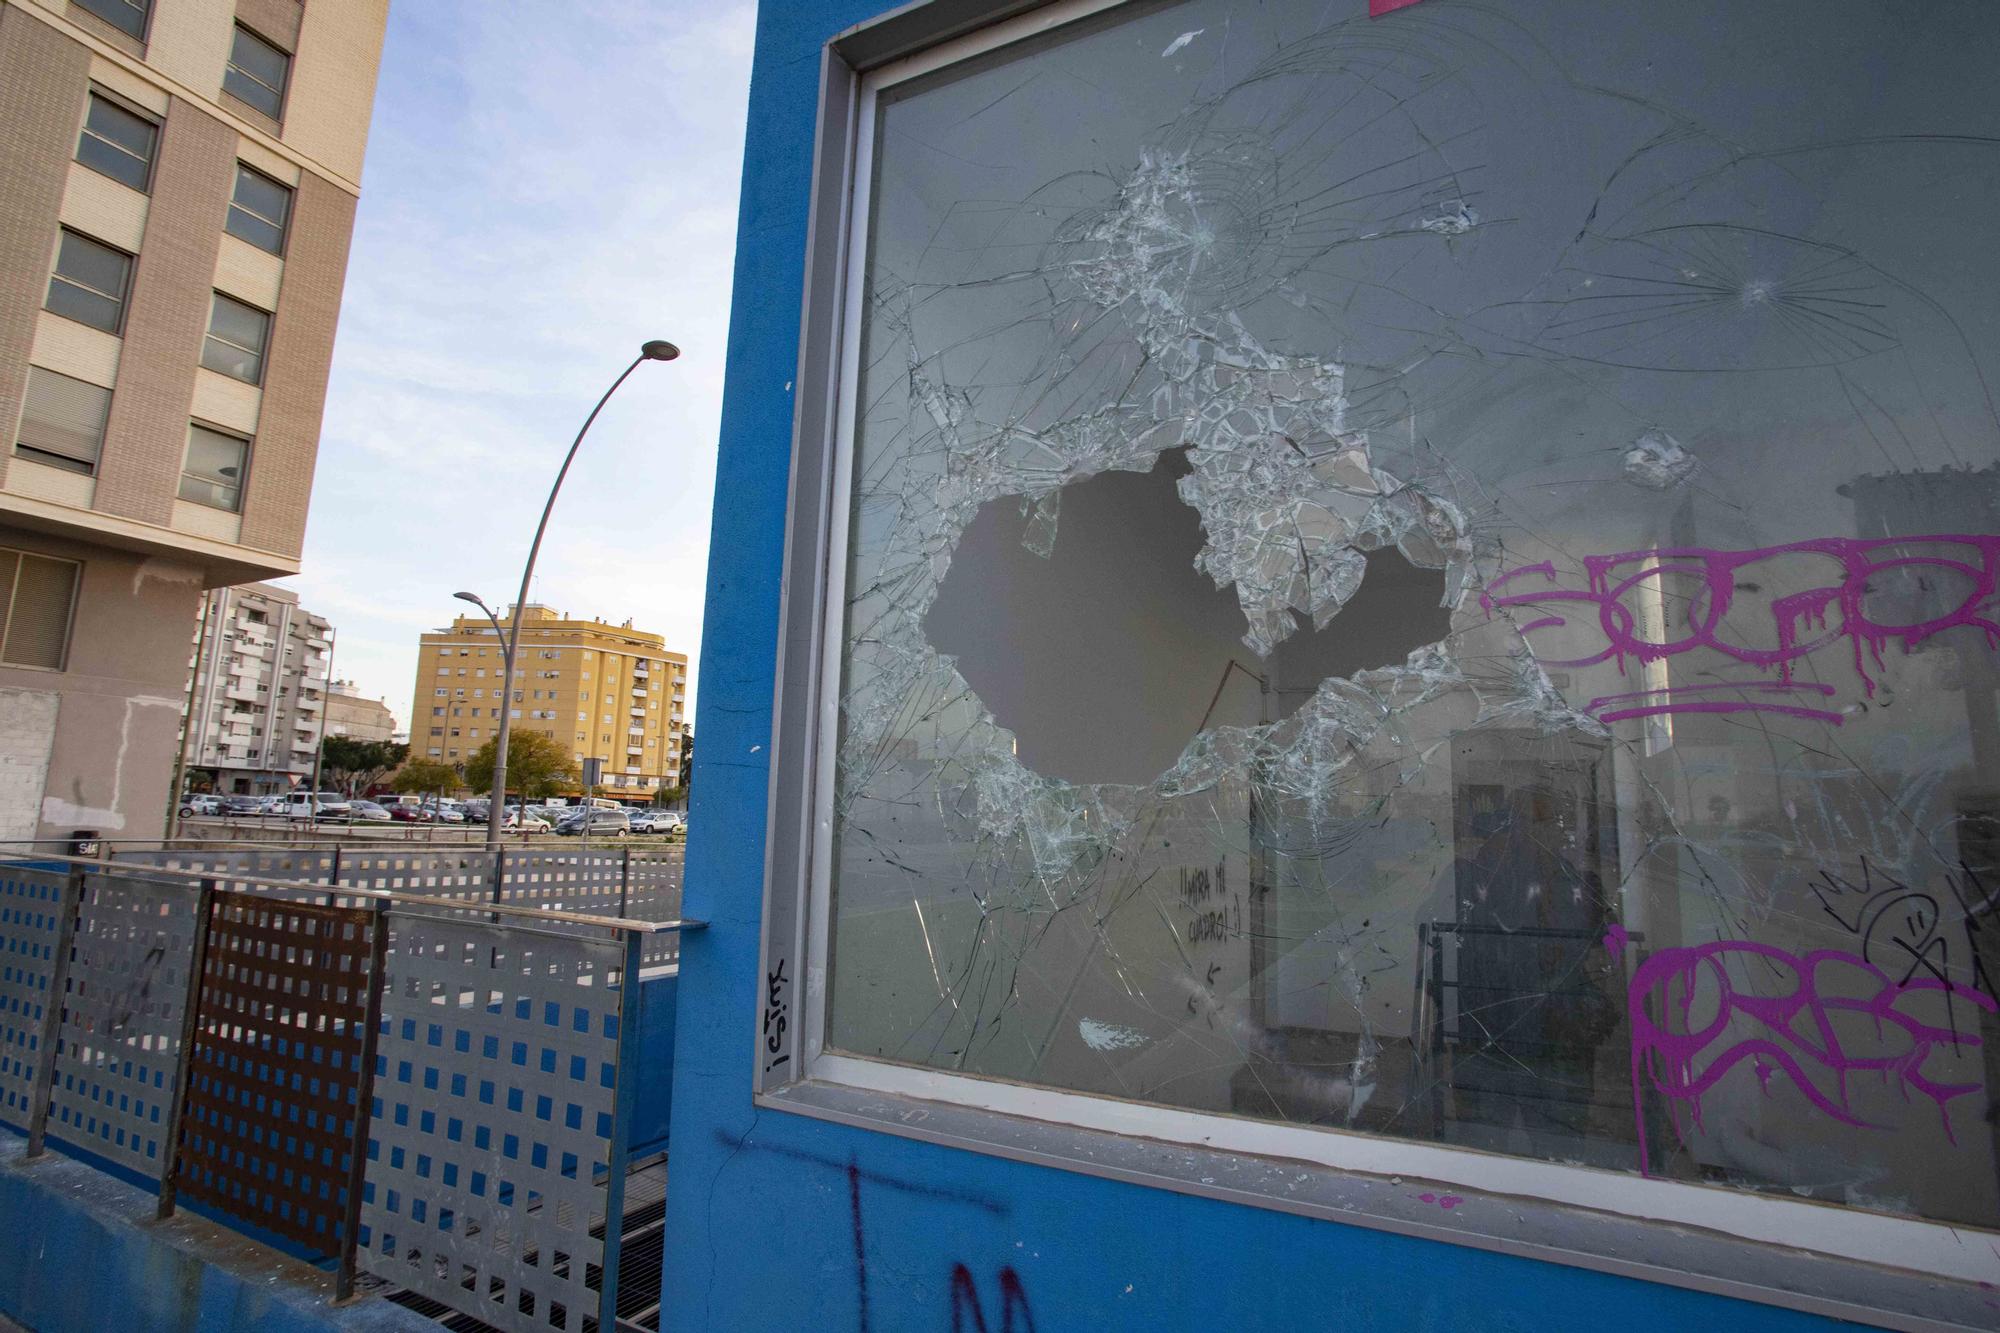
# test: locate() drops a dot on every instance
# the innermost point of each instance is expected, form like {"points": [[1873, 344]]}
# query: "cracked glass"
{"points": [[1434, 577]]}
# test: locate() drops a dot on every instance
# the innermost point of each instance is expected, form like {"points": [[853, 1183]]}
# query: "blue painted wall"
{"points": [[653, 1105], [777, 1221]]}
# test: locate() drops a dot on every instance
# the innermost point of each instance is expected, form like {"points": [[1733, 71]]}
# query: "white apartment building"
{"points": [[260, 690]]}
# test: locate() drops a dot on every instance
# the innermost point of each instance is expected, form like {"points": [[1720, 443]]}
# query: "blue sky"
{"points": [[549, 183]]}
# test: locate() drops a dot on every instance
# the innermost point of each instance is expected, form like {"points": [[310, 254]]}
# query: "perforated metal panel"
{"points": [[275, 1075], [494, 1119], [240, 869], [122, 1018], [30, 923]]}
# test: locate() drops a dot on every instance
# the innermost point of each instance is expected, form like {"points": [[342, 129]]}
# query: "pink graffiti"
{"points": [[1444, 1201], [1792, 1015], [1957, 580]]}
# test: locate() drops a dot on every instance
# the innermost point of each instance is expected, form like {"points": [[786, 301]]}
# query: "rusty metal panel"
{"points": [[277, 1070]]}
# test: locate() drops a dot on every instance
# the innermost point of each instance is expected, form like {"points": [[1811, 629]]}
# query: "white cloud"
{"points": [[547, 187]]}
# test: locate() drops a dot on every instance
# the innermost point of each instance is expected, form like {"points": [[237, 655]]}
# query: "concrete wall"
{"points": [[779, 1221], [110, 767], [84, 1255]]}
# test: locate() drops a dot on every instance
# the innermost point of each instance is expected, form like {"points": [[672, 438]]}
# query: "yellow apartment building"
{"points": [[608, 692]]}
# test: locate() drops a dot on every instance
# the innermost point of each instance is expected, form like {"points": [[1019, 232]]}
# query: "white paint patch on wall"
{"points": [[164, 571], [107, 818], [27, 738], [1108, 1036]]}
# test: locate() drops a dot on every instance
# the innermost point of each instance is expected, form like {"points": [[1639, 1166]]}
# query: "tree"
{"points": [[537, 765], [687, 756], [353, 765], [425, 775]]}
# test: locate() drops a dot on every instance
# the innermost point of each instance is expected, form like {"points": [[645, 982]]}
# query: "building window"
{"points": [[117, 142], [1460, 891], [214, 471], [257, 72], [38, 597], [62, 421], [90, 282], [235, 342], [128, 16], [259, 210]]}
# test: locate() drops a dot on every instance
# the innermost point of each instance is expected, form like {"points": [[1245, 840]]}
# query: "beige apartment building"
{"points": [[352, 714], [177, 189], [604, 691], [259, 698]]}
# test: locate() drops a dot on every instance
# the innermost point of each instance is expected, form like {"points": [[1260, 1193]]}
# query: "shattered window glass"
{"points": [[1435, 577]]}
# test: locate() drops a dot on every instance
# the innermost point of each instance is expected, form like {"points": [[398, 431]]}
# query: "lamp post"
{"points": [[656, 350]]}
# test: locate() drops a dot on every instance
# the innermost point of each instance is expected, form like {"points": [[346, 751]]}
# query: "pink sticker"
{"points": [[1377, 8]]}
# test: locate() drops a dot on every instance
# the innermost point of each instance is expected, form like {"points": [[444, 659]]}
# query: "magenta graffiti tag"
{"points": [[1793, 1028], [1954, 580]]}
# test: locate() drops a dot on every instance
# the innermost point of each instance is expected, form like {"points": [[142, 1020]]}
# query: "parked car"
{"points": [[321, 805], [446, 812], [475, 810], [200, 805], [242, 805], [524, 821], [366, 812], [656, 821], [272, 805], [596, 824]]}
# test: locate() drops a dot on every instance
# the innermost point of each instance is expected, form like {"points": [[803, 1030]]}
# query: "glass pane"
{"points": [[116, 143], [89, 264], [86, 307], [228, 359], [1431, 578], [214, 471], [127, 15], [256, 73], [262, 195], [63, 418], [38, 623], [249, 227], [235, 323]]}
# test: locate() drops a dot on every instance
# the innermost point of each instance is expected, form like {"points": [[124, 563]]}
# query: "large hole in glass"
{"points": [[1107, 656]]}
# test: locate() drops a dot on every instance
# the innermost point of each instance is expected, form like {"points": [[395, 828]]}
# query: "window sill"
{"points": [[251, 114], [108, 33], [1529, 1228]]}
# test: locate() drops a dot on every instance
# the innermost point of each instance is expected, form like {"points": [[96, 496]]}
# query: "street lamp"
{"points": [[655, 350]]}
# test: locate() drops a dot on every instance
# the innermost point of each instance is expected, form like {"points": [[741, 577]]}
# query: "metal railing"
{"points": [[638, 883], [433, 1090]]}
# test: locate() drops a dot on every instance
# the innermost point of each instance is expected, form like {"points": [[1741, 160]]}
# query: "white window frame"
{"points": [[792, 1071]]}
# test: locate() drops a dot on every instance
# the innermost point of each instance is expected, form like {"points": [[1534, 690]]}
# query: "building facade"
{"points": [[259, 694], [606, 692], [1353, 681], [177, 189], [354, 715]]}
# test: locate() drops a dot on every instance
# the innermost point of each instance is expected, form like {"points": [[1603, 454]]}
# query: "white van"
{"points": [[315, 805]]}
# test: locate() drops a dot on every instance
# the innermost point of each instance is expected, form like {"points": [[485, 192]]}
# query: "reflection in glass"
{"points": [[213, 473], [1423, 579]]}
